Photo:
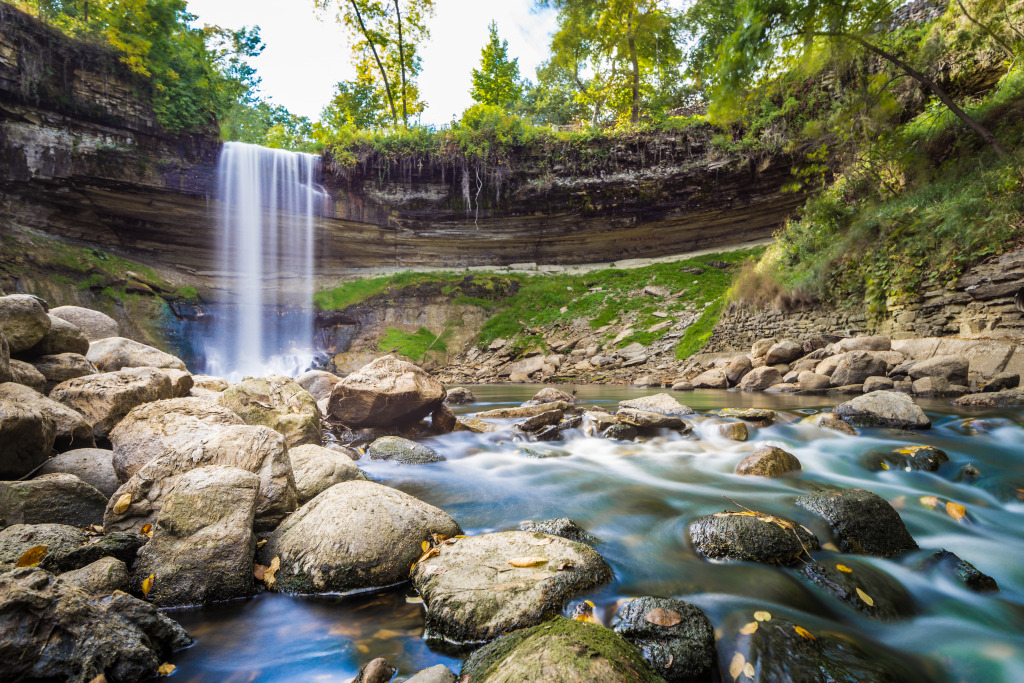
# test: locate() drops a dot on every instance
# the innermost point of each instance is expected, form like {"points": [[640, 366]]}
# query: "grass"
{"points": [[698, 334], [411, 345]]}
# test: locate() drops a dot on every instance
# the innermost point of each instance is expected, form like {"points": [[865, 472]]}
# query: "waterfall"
{"points": [[268, 205]]}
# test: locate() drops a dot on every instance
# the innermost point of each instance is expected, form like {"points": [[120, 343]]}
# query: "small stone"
{"points": [[768, 461], [736, 431]]}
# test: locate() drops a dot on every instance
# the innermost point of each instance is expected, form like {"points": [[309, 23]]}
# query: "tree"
{"points": [[358, 103], [496, 82]]}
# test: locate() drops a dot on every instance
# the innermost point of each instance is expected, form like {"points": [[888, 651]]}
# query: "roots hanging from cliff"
{"points": [[465, 188], [479, 186]]}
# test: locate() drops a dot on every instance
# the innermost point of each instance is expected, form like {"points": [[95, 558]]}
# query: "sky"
{"points": [[306, 57]]}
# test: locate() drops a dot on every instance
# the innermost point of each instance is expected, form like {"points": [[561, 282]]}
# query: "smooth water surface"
{"points": [[638, 498]]}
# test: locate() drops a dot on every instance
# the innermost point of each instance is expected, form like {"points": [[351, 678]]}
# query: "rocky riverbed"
{"points": [[382, 525]]}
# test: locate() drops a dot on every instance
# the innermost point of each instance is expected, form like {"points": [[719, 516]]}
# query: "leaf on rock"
{"points": [[662, 617], [736, 665], [844, 569], [166, 669], [527, 561], [425, 545], [565, 567], [956, 511], [259, 571], [270, 575], [761, 615], [749, 628], [804, 633], [32, 556], [147, 530], [868, 600], [147, 584], [748, 670], [121, 506], [830, 546]]}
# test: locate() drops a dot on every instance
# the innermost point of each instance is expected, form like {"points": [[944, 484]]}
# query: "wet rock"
{"points": [[647, 420], [551, 395], [560, 650], [538, 422], [877, 384], [761, 378], [115, 353], [474, 425], [712, 379], [102, 577], [71, 429], [737, 368], [459, 396], [768, 461], [863, 522], [830, 421], [675, 637], [562, 527], [62, 367], [375, 671], [682, 386], [402, 450], [277, 402], [53, 631], [1009, 398], [442, 420], [24, 321], [435, 674], [523, 411], [62, 337], [1001, 382], [259, 450], [737, 431], [855, 367], [92, 324], [960, 570], [26, 373], [876, 343], [951, 368], [51, 499], [745, 537], [317, 469], [760, 416], [922, 458], [94, 466], [785, 351], [760, 347], [883, 409], [156, 428], [105, 399], [352, 536], [812, 381], [867, 589], [620, 431], [658, 403], [26, 438], [317, 382], [384, 393], [121, 545], [59, 539], [473, 594], [203, 544]]}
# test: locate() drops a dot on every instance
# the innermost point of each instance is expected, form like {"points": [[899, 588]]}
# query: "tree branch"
{"points": [[380, 66]]}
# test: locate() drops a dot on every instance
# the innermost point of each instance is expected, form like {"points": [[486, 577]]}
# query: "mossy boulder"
{"points": [[675, 637], [863, 522], [751, 537], [277, 402], [16, 539], [51, 499]]}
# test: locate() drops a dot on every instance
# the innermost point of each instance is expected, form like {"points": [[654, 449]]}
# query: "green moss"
{"points": [[187, 293], [698, 334], [411, 345]]}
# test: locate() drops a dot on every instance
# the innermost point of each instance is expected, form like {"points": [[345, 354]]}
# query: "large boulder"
{"points": [[883, 409], [203, 543], [318, 383], [478, 588], [26, 438], [863, 587], [94, 466], [58, 539], [761, 378], [354, 535], [317, 469], [93, 324], [459, 396], [644, 419], [174, 424], [737, 368], [24, 321], [26, 374], [259, 450], [855, 367], [1008, 398], [751, 538], [51, 499], [863, 522], [385, 393], [812, 381], [53, 631], [952, 368], [658, 403], [785, 351], [675, 637], [768, 461], [876, 343], [62, 367], [62, 337], [277, 402], [105, 399], [402, 450], [102, 577], [181, 382], [71, 429], [711, 379], [548, 395], [559, 650], [114, 353], [760, 347]]}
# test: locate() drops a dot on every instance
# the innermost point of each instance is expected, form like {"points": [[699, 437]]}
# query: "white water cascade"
{"points": [[268, 206]]}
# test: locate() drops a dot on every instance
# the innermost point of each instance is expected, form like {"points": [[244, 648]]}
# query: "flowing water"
{"points": [[268, 205], [638, 498]]}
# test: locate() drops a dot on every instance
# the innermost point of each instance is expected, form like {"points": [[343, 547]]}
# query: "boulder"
{"points": [[102, 577], [920, 458], [658, 403], [438, 673], [376, 670], [551, 395], [24, 321], [560, 650], [863, 522], [760, 347], [121, 545], [883, 409], [751, 538], [94, 466], [805, 365], [317, 469], [203, 544], [538, 422], [562, 527], [473, 590], [26, 374], [442, 420], [354, 535], [785, 351], [277, 402], [877, 384], [937, 386], [6, 375], [62, 337], [855, 367], [62, 367], [181, 382], [999, 382], [620, 431], [761, 378], [675, 637], [385, 393], [92, 324], [402, 450], [646, 381], [317, 382], [812, 381], [71, 429], [1008, 398], [459, 396], [51, 499], [105, 399], [736, 431], [886, 598], [209, 383], [683, 386], [737, 368], [474, 425], [259, 450], [760, 416], [26, 437], [830, 421], [963, 571], [58, 539], [768, 461], [952, 368], [644, 419], [711, 379], [522, 411], [876, 343], [115, 353]]}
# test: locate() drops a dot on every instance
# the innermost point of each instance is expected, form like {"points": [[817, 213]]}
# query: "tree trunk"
{"points": [[401, 59], [634, 62], [383, 74]]}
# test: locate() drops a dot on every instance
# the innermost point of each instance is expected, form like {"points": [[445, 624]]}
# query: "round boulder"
{"points": [[876, 343], [105, 399], [71, 429], [51, 499], [562, 527], [94, 466], [550, 395], [385, 393], [761, 378], [26, 438], [922, 458], [26, 374], [93, 324], [17, 539], [675, 637], [402, 450], [768, 461], [785, 351], [317, 382], [751, 537], [317, 469], [711, 379], [277, 402], [24, 321], [62, 337], [62, 367], [855, 367], [883, 409], [102, 577], [114, 353], [863, 522]]}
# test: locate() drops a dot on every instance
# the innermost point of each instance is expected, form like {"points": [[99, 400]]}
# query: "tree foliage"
{"points": [[496, 82]]}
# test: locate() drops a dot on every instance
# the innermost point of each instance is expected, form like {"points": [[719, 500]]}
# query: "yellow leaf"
{"points": [[866, 598], [32, 556], [844, 569], [527, 561], [748, 670], [749, 628], [830, 546], [414, 600], [662, 617], [956, 511], [121, 506], [147, 530], [425, 545], [736, 665], [885, 465], [269, 576], [147, 584], [761, 615], [804, 633], [929, 501], [166, 669]]}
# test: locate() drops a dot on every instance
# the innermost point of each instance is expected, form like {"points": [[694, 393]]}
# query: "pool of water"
{"points": [[638, 499]]}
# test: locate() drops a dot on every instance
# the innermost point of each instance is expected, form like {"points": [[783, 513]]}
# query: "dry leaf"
{"points": [[258, 571], [749, 628], [425, 545], [748, 670], [565, 567], [866, 598], [736, 665], [830, 546], [439, 538], [804, 633], [527, 561], [844, 569], [414, 599], [147, 584], [433, 552], [32, 556], [166, 669], [662, 617], [956, 511], [95, 529], [761, 615], [147, 530], [121, 506], [929, 501], [269, 576], [260, 544]]}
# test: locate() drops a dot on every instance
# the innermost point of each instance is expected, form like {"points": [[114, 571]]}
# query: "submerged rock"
{"points": [[115, 353], [658, 403], [863, 522], [924, 458], [868, 590], [385, 393], [51, 499], [675, 637], [562, 527], [883, 409], [277, 402], [960, 570], [768, 461], [402, 450], [736, 431], [435, 674], [93, 324], [751, 537]]}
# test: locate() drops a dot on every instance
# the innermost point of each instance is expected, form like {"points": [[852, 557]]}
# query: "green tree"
{"points": [[496, 82], [358, 103]]}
